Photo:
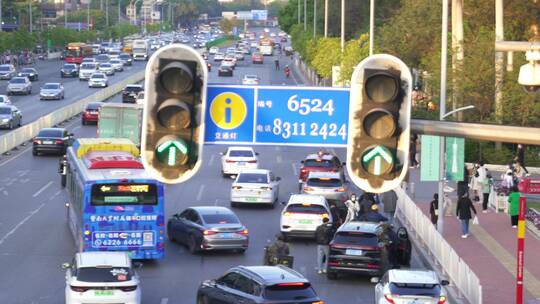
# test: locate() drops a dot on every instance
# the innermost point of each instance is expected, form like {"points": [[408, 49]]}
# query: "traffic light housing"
{"points": [[173, 117], [379, 123]]}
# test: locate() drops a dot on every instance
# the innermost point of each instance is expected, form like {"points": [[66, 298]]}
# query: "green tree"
{"points": [[354, 52], [327, 53], [227, 25]]}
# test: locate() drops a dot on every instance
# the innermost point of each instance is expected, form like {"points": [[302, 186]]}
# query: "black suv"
{"points": [[258, 284], [129, 94], [367, 248], [69, 70]]}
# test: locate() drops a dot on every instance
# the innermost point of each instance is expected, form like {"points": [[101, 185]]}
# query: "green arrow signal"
{"points": [[172, 146], [377, 154]]}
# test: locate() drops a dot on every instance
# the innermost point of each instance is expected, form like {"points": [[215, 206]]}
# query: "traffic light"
{"points": [[379, 119], [174, 100]]}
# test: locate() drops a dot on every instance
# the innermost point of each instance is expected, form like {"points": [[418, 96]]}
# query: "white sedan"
{"points": [[250, 79], [238, 158], [255, 186]]}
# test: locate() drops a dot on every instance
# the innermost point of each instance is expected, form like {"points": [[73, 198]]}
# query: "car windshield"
{"points": [[318, 163], [104, 274], [124, 56], [51, 86], [69, 66], [4, 111], [17, 80], [133, 89], [88, 66], [250, 77], [256, 178], [220, 218], [115, 61], [98, 76], [27, 70], [102, 58], [50, 133], [105, 65], [324, 182], [93, 106], [415, 289], [306, 208], [289, 292], [4, 69], [240, 153], [356, 238]]}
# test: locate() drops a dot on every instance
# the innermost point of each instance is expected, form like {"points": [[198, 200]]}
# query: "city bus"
{"points": [[113, 203], [76, 51]]}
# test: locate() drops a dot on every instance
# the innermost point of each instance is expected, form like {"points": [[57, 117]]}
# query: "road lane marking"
{"points": [[42, 189], [211, 160], [279, 160], [295, 170], [164, 301], [4, 238], [199, 194], [76, 128]]}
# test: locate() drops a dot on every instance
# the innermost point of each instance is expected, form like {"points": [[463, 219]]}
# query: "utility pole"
{"points": [[457, 55], [442, 112], [305, 15], [371, 25], [342, 26], [499, 59], [65, 13], [88, 15], [107, 12], [298, 12], [119, 12], [30, 11], [314, 18], [1, 25], [325, 18]]}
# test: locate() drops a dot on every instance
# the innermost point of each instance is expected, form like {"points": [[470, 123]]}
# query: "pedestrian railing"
{"points": [[26, 132], [420, 227]]}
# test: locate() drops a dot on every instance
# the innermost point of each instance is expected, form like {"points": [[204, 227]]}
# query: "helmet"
{"points": [[402, 233], [374, 207]]}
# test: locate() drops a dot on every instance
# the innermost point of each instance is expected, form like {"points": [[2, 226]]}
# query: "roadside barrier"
{"points": [[29, 131], [418, 224]]}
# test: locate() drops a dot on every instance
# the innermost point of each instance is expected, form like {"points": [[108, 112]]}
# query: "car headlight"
{"points": [[5, 120]]}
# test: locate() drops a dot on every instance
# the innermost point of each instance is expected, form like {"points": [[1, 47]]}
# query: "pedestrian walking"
{"points": [[389, 200], [276, 62], [463, 213], [486, 190], [520, 158], [478, 178], [507, 181], [353, 207], [323, 236], [513, 210], [412, 150], [434, 209]]}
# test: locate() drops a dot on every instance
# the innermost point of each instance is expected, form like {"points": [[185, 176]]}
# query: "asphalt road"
{"points": [[49, 71], [35, 240]]}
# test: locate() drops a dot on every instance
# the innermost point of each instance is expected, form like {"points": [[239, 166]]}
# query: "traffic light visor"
{"points": [[382, 87], [176, 78]]}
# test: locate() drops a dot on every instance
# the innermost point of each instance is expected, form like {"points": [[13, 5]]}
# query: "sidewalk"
{"points": [[490, 250]]}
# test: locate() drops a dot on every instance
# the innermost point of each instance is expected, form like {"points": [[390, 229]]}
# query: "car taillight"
{"points": [[252, 161], [209, 232], [340, 189], [318, 302], [308, 189], [287, 214], [324, 215], [303, 170], [389, 298], [266, 188], [79, 288], [37, 142], [373, 266], [442, 300], [244, 232], [59, 142], [236, 187], [230, 161], [128, 288]]}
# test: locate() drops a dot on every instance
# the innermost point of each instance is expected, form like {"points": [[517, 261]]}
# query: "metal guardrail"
{"points": [[28, 131], [419, 225]]}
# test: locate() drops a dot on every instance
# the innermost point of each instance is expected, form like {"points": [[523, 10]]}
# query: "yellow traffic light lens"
{"points": [[174, 115], [176, 78], [379, 124], [382, 88]]}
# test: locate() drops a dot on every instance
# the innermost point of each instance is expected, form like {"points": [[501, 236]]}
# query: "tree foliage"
{"points": [[227, 25]]}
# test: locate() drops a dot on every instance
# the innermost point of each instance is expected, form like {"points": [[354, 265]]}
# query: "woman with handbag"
{"points": [[463, 213]]}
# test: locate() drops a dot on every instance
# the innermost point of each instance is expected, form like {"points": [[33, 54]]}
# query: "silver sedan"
{"points": [[51, 90]]}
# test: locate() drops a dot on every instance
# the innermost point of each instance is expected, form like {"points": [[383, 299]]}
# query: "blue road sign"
{"points": [[259, 15], [307, 116]]}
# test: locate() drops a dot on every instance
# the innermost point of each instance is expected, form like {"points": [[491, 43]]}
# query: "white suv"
{"points": [[102, 277], [238, 158], [87, 69], [303, 214]]}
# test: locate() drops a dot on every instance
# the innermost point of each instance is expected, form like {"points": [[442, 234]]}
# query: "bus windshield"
{"points": [[75, 52], [123, 194]]}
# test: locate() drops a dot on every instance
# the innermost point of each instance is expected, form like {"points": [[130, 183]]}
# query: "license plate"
{"points": [[47, 142], [227, 235], [251, 199], [241, 163], [104, 292], [305, 222], [353, 252]]}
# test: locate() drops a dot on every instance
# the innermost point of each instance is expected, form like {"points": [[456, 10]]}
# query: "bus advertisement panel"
{"points": [[76, 51], [114, 205]]}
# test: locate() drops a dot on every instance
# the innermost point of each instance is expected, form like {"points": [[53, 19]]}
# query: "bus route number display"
{"points": [[302, 116], [124, 188]]}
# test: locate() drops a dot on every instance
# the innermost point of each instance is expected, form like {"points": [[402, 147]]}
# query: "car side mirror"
{"points": [[302, 162], [278, 179], [374, 280], [445, 282], [256, 153], [66, 265], [283, 203]]}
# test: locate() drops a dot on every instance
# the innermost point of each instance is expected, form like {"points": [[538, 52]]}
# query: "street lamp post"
{"points": [[88, 15], [342, 25], [107, 12], [298, 12], [314, 18], [1, 24], [30, 12], [305, 15], [65, 13], [325, 18], [119, 12], [371, 25]]}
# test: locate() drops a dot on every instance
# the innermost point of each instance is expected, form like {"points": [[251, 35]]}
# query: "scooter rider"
{"points": [[277, 250]]}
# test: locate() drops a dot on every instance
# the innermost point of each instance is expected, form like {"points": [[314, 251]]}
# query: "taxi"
{"points": [[302, 214]]}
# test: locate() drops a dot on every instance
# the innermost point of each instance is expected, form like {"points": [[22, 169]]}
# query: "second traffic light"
{"points": [[175, 93], [379, 119]]}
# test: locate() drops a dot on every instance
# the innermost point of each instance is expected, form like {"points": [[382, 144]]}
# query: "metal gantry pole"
{"points": [[325, 18], [107, 12], [342, 25], [442, 112], [371, 25], [30, 11], [88, 15], [65, 13]]}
